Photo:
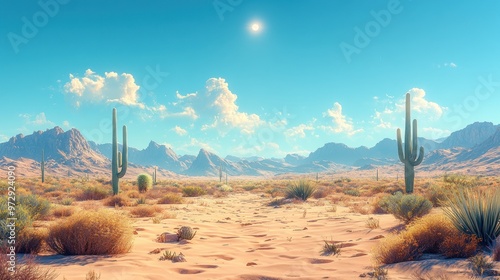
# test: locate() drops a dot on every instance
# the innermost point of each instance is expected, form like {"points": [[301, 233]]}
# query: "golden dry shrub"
{"points": [[170, 198], [118, 200], [459, 245], [63, 211], [27, 269], [145, 211], [430, 231], [30, 240], [91, 233], [396, 248]]}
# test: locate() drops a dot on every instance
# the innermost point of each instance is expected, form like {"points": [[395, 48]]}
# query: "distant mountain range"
{"points": [[474, 148]]}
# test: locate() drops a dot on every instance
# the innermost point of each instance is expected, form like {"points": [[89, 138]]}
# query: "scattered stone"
{"points": [[156, 251], [251, 264], [167, 237], [377, 237]]}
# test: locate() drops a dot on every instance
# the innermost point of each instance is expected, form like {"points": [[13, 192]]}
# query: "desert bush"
{"points": [[171, 199], [117, 200], [459, 245], [406, 207], [92, 275], [67, 201], [30, 240], [430, 234], [141, 200], [460, 180], [185, 233], [372, 223], [301, 190], [193, 191], [475, 212], [91, 233], [63, 211], [36, 206], [133, 194], [351, 192], [225, 188], [436, 194], [145, 211], [93, 193], [321, 192], [26, 270], [144, 182]]}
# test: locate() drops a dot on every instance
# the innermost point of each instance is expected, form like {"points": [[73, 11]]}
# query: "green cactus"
{"points": [[409, 157], [42, 164], [118, 159], [154, 176]]}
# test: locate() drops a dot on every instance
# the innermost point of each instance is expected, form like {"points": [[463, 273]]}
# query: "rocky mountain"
{"points": [[154, 155], [67, 148], [472, 135]]}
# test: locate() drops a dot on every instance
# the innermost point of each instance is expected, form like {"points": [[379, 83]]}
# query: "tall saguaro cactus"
{"points": [[410, 157], [42, 164], [118, 160]]}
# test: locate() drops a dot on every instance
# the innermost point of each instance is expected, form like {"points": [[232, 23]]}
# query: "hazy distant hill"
{"points": [[476, 147]]}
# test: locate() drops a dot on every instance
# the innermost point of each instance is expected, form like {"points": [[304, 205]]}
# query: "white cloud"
{"points": [[299, 130], [448, 64], [66, 124], [179, 130], [420, 104], [436, 133], [112, 87], [38, 120], [217, 105], [3, 138], [342, 124]]}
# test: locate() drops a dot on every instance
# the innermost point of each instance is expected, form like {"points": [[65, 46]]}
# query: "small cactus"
{"points": [[118, 159], [144, 182], [185, 233]]}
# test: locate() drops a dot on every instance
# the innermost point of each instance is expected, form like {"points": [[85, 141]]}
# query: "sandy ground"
{"points": [[238, 237]]}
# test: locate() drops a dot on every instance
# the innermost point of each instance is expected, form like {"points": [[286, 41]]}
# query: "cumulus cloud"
{"points": [[342, 124], [448, 64], [299, 131], [179, 130], [66, 124], [112, 87], [218, 105], [420, 104]]}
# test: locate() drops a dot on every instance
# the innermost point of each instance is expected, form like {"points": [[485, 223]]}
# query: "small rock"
{"points": [[362, 275], [156, 251], [251, 264], [179, 258], [167, 237], [377, 237]]}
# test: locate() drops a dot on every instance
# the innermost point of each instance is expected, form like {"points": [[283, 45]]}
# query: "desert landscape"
{"points": [[249, 140]]}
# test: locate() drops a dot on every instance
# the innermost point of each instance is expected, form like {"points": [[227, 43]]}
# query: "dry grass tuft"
{"points": [[171, 199], [27, 270], [91, 233], [118, 200], [145, 210], [30, 240]]}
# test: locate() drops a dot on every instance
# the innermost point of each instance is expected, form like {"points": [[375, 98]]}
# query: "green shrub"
{"points": [[144, 182], [301, 190], [193, 191], [225, 188], [475, 212], [22, 215], [351, 192], [36, 206], [406, 207]]}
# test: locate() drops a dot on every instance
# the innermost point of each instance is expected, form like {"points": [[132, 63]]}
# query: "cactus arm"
{"points": [[400, 146], [119, 159], [124, 162], [415, 141], [408, 146], [420, 157]]}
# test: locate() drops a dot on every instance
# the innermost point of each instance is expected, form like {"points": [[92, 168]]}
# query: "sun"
{"points": [[255, 27]]}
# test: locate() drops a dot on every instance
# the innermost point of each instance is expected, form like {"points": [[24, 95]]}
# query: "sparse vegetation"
{"points": [[145, 210], [480, 264], [171, 199], [26, 270], [93, 193], [331, 248], [92, 275], [193, 191], [91, 233], [301, 190], [406, 207], [372, 223]]}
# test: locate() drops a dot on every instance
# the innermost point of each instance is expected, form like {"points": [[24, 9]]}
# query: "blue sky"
{"points": [[193, 74]]}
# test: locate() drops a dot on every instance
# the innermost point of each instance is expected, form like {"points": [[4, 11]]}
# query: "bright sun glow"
{"points": [[255, 27]]}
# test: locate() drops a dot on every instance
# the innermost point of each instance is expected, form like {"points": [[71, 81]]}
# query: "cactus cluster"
{"points": [[118, 159], [410, 157]]}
